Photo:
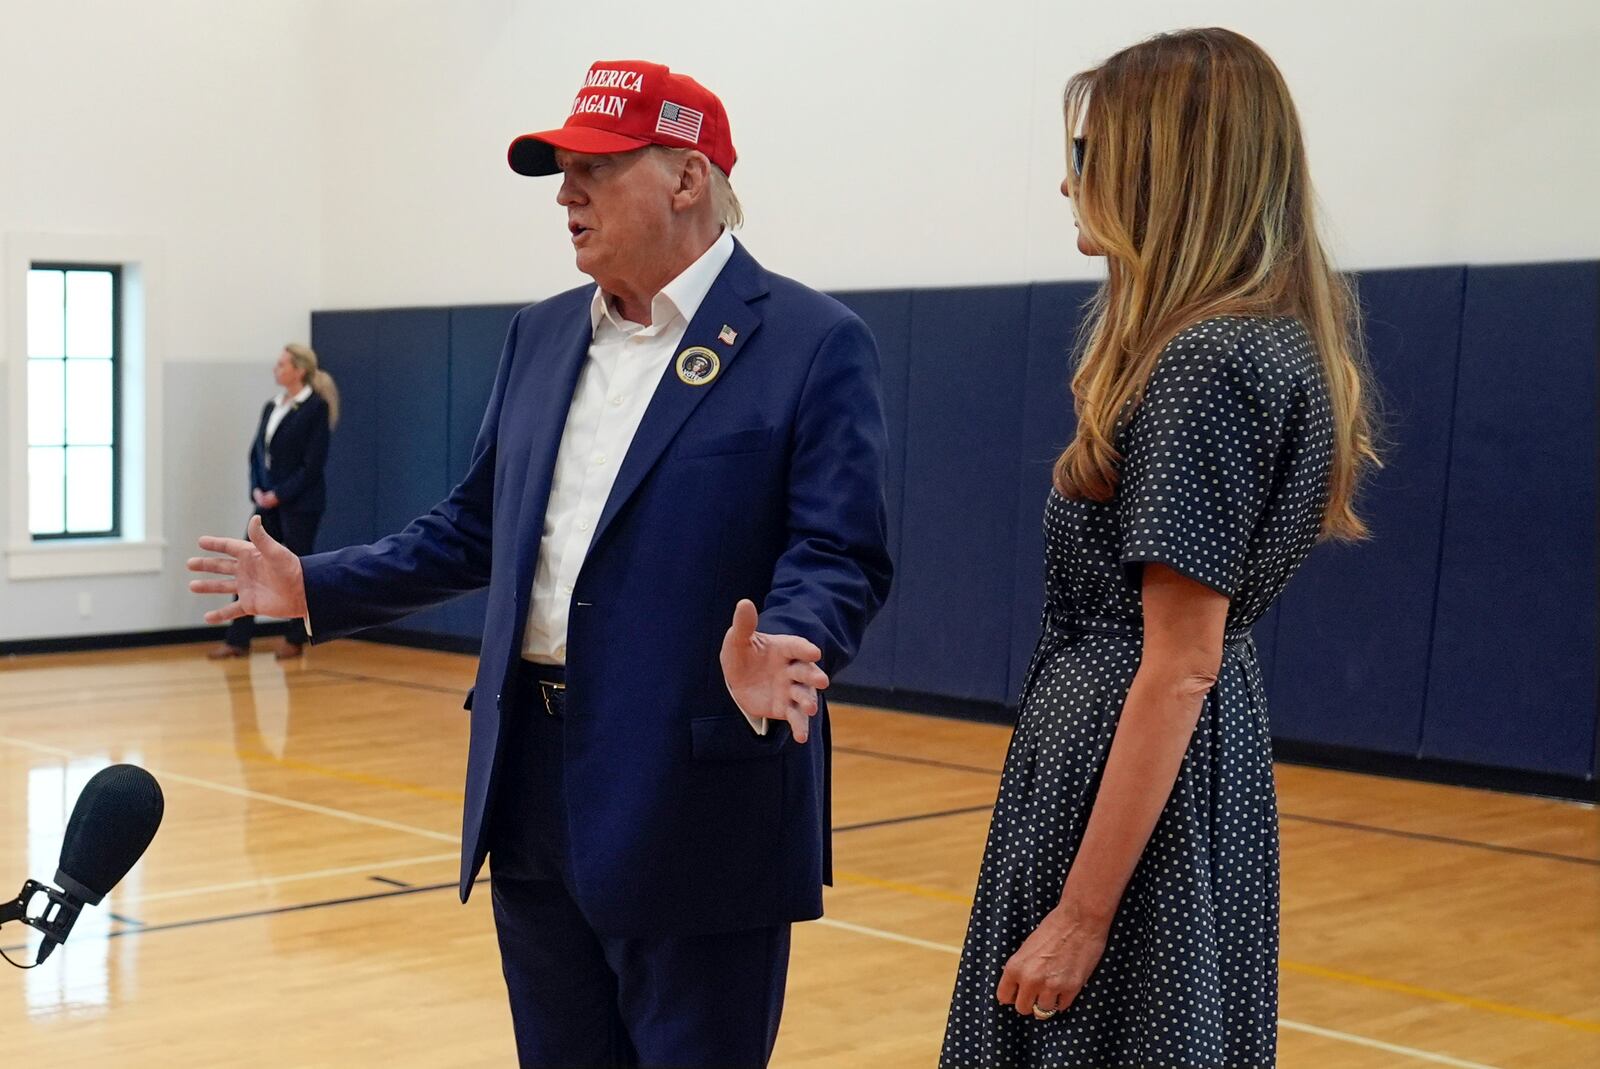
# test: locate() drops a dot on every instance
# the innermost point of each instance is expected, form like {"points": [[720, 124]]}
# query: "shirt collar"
{"points": [[298, 399], [680, 297]]}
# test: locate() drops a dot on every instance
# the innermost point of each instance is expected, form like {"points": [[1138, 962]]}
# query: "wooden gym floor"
{"points": [[298, 906]]}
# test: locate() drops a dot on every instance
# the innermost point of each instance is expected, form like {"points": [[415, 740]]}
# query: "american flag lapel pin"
{"points": [[728, 335]]}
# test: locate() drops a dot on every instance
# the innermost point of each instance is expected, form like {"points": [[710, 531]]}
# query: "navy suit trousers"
{"points": [[581, 998]]}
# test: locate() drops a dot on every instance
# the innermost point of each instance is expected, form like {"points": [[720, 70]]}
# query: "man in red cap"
{"points": [[664, 450]]}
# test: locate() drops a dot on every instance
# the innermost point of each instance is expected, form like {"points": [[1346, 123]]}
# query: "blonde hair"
{"points": [[305, 358], [1194, 184], [724, 201]]}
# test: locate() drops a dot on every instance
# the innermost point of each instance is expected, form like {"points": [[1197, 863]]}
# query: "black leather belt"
{"points": [[544, 686]]}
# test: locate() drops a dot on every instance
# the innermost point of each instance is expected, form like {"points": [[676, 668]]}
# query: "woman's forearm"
{"points": [[1158, 720]]}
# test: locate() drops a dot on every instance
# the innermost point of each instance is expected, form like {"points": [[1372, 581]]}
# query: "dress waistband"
{"points": [[1080, 625]]}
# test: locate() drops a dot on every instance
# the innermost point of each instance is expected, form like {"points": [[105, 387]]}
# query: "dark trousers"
{"points": [[580, 998], [297, 531]]}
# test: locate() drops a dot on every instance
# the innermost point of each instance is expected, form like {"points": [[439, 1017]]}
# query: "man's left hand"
{"points": [[772, 676]]}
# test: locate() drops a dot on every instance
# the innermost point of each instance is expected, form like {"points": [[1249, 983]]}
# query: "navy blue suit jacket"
{"points": [[766, 483], [299, 453]]}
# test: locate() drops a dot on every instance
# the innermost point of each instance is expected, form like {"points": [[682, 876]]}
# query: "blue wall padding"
{"points": [[1464, 630], [1356, 622], [477, 336], [1055, 310], [887, 314], [345, 344], [958, 538], [413, 347], [1512, 679]]}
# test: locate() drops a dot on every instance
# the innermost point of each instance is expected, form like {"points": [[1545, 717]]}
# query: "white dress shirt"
{"points": [[625, 364], [280, 408], [615, 386]]}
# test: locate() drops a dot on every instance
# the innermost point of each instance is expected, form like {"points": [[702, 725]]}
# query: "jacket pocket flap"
{"points": [[731, 738], [749, 440]]}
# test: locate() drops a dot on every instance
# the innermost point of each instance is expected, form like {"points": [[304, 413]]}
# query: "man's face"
{"points": [[619, 211]]}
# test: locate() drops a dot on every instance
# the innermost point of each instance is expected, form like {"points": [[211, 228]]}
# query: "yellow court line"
{"points": [[1373, 982], [904, 888], [1487, 1005], [363, 778], [1283, 1022]]}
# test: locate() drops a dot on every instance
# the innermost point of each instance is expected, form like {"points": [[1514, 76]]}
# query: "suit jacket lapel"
{"points": [[543, 402], [727, 304]]}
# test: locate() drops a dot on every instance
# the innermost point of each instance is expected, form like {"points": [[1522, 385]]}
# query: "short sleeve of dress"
{"points": [[1199, 458]]}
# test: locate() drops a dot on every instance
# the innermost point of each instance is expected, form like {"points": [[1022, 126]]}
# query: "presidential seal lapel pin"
{"points": [[697, 366]]}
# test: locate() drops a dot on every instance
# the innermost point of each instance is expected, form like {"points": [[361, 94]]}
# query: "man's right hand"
{"points": [[262, 572]]}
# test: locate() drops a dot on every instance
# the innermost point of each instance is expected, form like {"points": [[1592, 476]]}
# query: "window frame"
{"points": [[141, 547], [115, 530]]}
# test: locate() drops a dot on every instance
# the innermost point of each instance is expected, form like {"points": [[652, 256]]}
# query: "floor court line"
{"points": [[296, 877], [365, 779], [409, 684], [1294, 1026], [1372, 982], [1375, 983], [84, 701], [912, 818], [301, 907], [258, 796], [1302, 818], [1378, 1044], [953, 766], [827, 922], [1446, 840]]}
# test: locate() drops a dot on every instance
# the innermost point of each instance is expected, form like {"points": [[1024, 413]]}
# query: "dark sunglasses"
{"points": [[1077, 155]]}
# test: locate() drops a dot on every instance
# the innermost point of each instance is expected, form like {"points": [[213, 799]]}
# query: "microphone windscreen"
{"points": [[111, 825]]}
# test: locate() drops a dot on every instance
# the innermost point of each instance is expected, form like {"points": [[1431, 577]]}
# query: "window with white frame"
{"points": [[73, 361], [81, 354]]}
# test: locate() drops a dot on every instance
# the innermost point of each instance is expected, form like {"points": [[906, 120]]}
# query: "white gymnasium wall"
{"points": [[915, 142], [287, 155], [188, 125]]}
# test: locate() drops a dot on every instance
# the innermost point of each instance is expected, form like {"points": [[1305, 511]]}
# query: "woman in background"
{"points": [[1127, 907], [286, 484]]}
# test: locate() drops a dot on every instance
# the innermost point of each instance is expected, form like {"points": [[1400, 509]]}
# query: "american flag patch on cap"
{"points": [[678, 121]]}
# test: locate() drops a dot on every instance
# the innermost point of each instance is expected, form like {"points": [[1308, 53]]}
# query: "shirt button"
{"points": [[583, 525], [568, 590], [599, 458], [616, 402]]}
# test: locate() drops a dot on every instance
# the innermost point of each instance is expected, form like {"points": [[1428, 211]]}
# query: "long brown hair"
{"points": [[305, 358], [1194, 184]]}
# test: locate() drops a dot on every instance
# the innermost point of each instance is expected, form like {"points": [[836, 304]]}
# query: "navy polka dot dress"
{"points": [[1225, 477]]}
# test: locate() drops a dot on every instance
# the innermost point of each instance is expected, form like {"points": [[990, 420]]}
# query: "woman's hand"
{"points": [[1054, 963]]}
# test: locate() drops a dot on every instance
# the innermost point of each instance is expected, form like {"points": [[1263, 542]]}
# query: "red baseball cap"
{"points": [[627, 104]]}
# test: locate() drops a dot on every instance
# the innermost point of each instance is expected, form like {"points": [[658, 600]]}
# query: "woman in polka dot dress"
{"points": [[1127, 907]]}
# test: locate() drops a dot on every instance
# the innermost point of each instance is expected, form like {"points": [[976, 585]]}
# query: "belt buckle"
{"points": [[544, 692]]}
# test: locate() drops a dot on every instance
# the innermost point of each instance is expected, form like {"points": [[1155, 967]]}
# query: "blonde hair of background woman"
{"points": [[305, 358], [1195, 187]]}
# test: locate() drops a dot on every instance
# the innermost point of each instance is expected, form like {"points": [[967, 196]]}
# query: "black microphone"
{"points": [[112, 823]]}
